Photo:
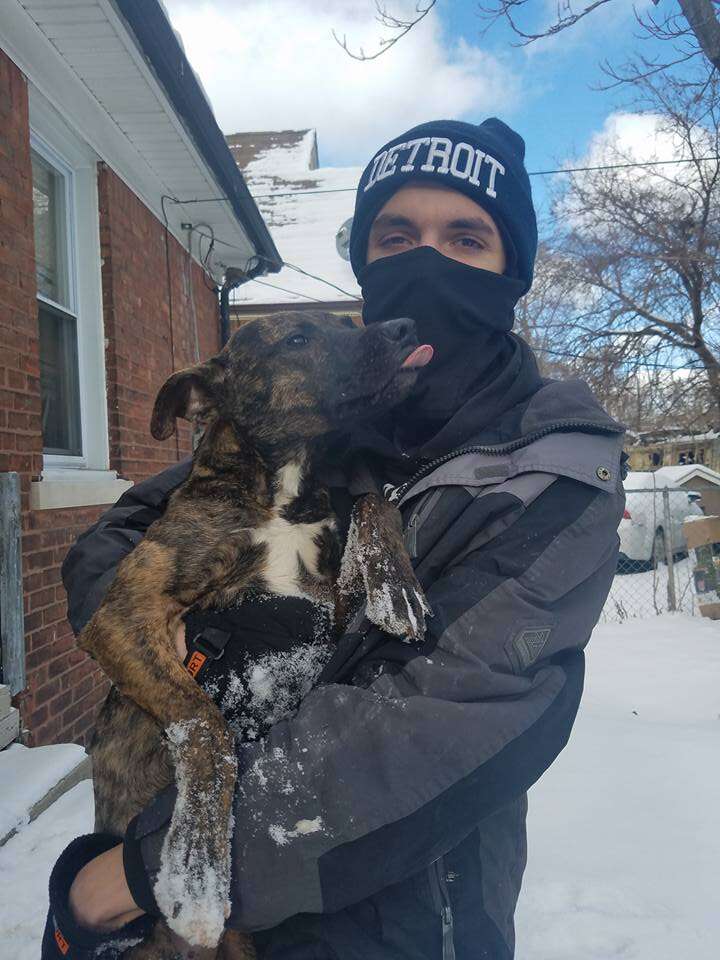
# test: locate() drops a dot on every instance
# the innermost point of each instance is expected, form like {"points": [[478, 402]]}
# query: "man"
{"points": [[412, 763]]}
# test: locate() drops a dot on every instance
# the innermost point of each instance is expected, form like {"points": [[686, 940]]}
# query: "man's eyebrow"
{"points": [[472, 223], [392, 220]]}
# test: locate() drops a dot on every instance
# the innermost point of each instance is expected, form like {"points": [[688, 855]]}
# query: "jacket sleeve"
{"points": [[90, 566], [365, 786]]}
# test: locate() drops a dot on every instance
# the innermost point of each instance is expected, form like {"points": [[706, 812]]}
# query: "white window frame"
{"points": [[58, 164], [69, 481]]}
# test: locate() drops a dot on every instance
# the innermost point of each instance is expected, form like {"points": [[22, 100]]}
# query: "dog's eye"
{"points": [[297, 340]]}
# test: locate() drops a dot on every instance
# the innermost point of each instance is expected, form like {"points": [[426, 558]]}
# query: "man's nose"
{"points": [[399, 330]]}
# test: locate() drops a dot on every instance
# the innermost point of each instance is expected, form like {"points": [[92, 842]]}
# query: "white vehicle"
{"points": [[643, 528]]}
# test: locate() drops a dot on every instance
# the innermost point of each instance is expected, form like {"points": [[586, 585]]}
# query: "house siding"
{"points": [[64, 687]]}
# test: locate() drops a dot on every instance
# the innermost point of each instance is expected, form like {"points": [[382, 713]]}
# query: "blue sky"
{"points": [[273, 65]]}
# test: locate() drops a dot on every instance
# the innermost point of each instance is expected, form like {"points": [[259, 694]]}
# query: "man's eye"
{"points": [[393, 240], [297, 340], [470, 242]]}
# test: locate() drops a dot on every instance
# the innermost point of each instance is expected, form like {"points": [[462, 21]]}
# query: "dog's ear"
{"points": [[191, 394]]}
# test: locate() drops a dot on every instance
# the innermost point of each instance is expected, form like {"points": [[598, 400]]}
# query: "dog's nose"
{"points": [[398, 330]]}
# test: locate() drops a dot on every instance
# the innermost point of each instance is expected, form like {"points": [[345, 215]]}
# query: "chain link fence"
{"points": [[655, 574]]}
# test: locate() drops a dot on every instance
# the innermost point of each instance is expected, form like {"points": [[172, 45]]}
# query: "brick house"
{"points": [[107, 284], [304, 205]]}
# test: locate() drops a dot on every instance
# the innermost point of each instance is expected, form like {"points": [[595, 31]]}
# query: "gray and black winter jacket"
{"points": [[386, 819]]}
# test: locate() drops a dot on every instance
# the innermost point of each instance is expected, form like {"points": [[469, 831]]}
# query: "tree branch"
{"points": [[386, 19]]}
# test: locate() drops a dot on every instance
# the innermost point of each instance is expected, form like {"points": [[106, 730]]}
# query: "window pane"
{"points": [[59, 382], [50, 221]]}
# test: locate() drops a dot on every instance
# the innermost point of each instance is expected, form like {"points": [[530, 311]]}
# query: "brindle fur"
{"points": [[265, 404]]}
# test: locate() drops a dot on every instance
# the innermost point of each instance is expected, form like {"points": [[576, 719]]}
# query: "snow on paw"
{"points": [[192, 887], [397, 610], [375, 558]]}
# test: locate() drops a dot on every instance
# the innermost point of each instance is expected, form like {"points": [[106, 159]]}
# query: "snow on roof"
{"points": [[280, 168], [680, 473], [670, 476], [673, 435], [275, 152]]}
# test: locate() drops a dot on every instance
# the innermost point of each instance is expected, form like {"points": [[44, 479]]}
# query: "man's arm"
{"points": [[91, 564], [365, 786]]}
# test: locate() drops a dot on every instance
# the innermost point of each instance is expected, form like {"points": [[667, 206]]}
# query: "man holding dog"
{"points": [[412, 764]]}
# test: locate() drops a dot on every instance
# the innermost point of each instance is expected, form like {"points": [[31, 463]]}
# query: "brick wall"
{"points": [[20, 441], [64, 687], [144, 347]]}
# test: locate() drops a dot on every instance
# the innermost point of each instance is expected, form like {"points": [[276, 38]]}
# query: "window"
{"points": [[53, 203], [70, 315]]}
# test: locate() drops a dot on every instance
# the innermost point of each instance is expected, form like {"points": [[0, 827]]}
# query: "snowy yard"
{"points": [[623, 831]]}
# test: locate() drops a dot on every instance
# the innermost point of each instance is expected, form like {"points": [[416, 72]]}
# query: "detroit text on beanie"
{"points": [[483, 161]]}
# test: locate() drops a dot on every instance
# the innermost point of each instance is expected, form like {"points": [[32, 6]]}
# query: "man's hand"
{"points": [[99, 897], [180, 644]]}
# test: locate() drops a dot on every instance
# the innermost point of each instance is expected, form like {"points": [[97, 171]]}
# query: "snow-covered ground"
{"points": [[32, 774], [624, 831], [25, 864]]}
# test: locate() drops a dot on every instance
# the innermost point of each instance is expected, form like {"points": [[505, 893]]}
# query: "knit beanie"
{"points": [[483, 161]]}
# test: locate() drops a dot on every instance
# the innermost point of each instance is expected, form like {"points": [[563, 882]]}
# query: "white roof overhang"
{"points": [[81, 58]]}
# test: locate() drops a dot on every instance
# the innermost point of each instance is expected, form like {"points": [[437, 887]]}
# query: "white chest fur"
{"points": [[289, 543]]}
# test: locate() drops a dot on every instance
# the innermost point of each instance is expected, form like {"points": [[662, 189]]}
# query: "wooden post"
{"points": [[703, 536], [672, 599], [12, 629]]}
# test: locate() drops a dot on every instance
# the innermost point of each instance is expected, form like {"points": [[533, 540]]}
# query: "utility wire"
{"points": [[290, 266], [275, 286], [584, 356], [531, 173]]}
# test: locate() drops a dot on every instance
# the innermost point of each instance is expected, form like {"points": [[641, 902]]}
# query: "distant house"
{"points": [[694, 478], [105, 289], [675, 447], [304, 206]]}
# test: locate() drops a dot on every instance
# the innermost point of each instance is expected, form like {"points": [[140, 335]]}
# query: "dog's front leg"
{"points": [[132, 637]]}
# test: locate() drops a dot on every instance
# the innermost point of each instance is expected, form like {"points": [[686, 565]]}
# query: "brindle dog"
{"points": [[251, 516]]}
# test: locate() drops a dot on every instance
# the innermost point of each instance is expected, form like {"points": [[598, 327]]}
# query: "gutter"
{"points": [[157, 41]]}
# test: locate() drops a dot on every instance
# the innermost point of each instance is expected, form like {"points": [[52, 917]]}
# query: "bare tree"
{"points": [[639, 249], [693, 27], [641, 391]]}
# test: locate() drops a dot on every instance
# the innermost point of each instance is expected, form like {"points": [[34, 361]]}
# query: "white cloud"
{"points": [[274, 65], [642, 138]]}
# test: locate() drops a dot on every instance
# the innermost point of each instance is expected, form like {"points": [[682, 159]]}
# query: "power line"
{"points": [[531, 173], [276, 286], [582, 356], [285, 263]]}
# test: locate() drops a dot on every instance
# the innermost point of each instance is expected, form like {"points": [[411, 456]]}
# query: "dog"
{"points": [[252, 515]]}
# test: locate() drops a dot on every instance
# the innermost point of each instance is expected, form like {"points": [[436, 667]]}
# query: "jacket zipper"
{"points": [[411, 531], [395, 494], [441, 899]]}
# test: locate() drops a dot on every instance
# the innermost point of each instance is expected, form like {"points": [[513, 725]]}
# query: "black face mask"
{"points": [[463, 312]]}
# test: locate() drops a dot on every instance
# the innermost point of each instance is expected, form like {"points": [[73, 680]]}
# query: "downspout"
{"points": [[234, 277]]}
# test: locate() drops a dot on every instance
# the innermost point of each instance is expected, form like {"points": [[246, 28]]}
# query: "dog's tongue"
{"points": [[420, 357]]}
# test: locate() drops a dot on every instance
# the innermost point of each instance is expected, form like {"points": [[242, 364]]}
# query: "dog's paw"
{"points": [[376, 563], [396, 603]]}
